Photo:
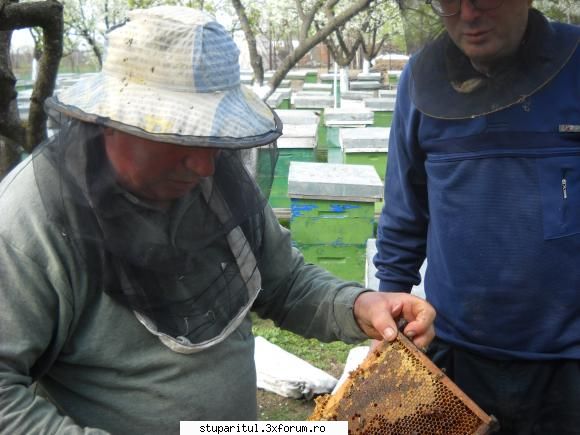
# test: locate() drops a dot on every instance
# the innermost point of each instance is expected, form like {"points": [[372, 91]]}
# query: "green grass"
{"points": [[325, 356]]}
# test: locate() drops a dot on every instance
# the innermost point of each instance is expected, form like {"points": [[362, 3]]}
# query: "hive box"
{"points": [[296, 144], [334, 119], [369, 77], [318, 87], [280, 99], [382, 108], [306, 75], [298, 116], [365, 86], [389, 93], [332, 214], [366, 146], [306, 101]]}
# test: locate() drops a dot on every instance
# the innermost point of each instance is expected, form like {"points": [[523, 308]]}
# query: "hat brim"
{"points": [[235, 118]]}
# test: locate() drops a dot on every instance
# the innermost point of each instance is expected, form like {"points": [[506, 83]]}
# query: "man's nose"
{"points": [[201, 161], [468, 11]]}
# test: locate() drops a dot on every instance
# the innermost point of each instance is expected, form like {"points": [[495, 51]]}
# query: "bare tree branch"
{"points": [[308, 19], [307, 44], [300, 10]]}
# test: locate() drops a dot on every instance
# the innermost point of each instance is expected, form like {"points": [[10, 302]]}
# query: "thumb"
{"points": [[386, 324]]}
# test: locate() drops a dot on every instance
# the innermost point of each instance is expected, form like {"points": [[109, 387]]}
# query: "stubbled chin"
{"points": [[479, 53]]}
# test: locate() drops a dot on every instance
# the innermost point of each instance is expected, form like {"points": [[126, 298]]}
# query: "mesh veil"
{"points": [[445, 85], [190, 273]]}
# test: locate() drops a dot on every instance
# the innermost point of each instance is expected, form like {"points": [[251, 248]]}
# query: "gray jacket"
{"points": [[72, 360]]}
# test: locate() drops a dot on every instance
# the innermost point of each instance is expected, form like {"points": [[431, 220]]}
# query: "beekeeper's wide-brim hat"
{"points": [[171, 74]]}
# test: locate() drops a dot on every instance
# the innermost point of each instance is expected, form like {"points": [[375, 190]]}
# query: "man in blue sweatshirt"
{"points": [[483, 180]]}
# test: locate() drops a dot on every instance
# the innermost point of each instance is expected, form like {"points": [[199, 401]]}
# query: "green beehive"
{"points": [[280, 99], [382, 118], [377, 158], [312, 102], [383, 108], [367, 146], [317, 88], [394, 76], [332, 214], [297, 144], [316, 221], [388, 93], [327, 78], [345, 261], [311, 76], [298, 117], [338, 118]]}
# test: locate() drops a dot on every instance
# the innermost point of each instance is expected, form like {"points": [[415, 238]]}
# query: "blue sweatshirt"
{"points": [[494, 204]]}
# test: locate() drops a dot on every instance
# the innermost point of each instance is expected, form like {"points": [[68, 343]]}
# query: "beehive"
{"points": [[296, 145], [334, 119], [367, 146], [383, 108], [398, 391], [332, 214]]}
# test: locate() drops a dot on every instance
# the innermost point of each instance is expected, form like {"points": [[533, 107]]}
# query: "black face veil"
{"points": [[445, 85], [190, 273]]}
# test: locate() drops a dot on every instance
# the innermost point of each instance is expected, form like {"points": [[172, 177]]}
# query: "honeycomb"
{"points": [[397, 390]]}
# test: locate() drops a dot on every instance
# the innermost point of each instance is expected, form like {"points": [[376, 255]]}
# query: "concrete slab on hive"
{"points": [[299, 130], [365, 86], [291, 116], [313, 101], [334, 182], [347, 117], [385, 104], [364, 139]]}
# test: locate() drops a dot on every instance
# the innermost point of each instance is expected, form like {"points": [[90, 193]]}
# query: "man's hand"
{"points": [[377, 314]]}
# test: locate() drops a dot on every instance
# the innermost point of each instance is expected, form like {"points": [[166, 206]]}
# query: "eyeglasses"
{"points": [[448, 8]]}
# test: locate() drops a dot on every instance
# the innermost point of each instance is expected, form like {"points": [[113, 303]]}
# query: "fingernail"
{"points": [[389, 333], [410, 334]]}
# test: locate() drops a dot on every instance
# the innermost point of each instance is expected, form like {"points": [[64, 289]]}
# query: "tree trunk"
{"points": [[48, 15], [255, 58]]}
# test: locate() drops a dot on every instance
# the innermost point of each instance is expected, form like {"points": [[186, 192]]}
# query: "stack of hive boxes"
{"points": [[333, 214], [336, 119]]}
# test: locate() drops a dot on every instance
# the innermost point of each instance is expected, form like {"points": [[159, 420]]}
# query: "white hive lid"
{"points": [[347, 116], [289, 116], [369, 138], [334, 182]]}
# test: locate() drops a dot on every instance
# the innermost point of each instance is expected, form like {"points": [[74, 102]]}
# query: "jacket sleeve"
{"points": [[402, 227], [301, 297], [34, 324]]}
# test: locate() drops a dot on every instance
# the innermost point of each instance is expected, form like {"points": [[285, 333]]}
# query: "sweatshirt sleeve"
{"points": [[402, 227], [34, 324], [301, 297]]}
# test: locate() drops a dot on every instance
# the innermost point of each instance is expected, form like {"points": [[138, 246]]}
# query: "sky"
{"points": [[21, 38]]}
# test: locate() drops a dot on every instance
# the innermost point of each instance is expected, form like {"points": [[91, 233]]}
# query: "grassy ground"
{"points": [[329, 357]]}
